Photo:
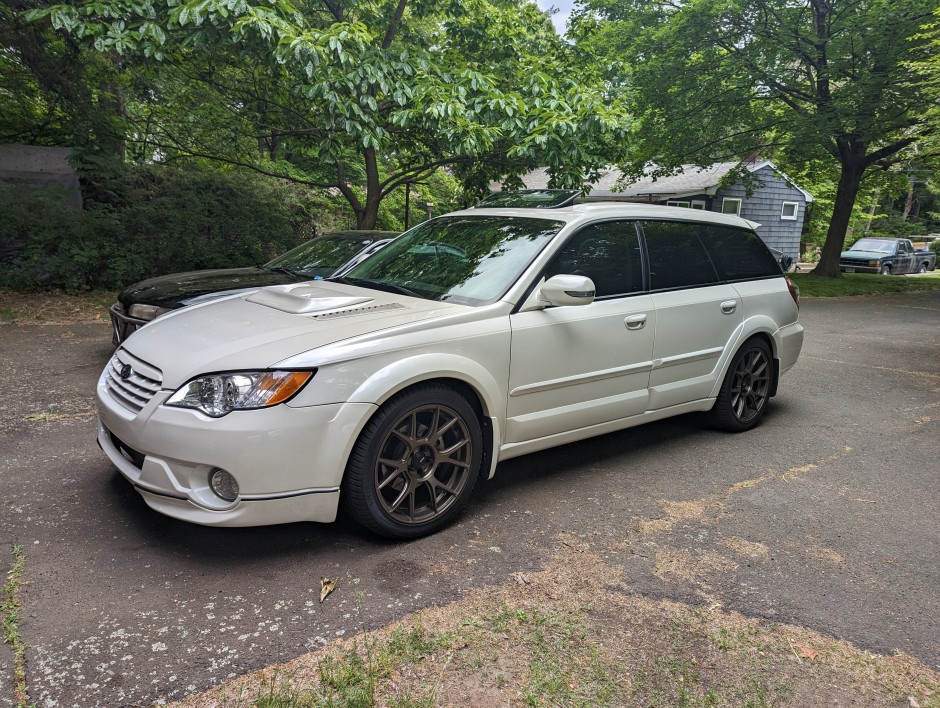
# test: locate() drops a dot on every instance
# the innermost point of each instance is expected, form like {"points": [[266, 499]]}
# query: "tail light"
{"points": [[794, 291]]}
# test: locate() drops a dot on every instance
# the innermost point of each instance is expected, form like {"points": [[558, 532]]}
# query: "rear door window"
{"points": [[677, 257]]}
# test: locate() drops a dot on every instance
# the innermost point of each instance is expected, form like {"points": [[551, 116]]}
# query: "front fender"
{"points": [[399, 375]]}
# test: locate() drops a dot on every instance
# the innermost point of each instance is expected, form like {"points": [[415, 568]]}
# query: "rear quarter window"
{"points": [[738, 254]]}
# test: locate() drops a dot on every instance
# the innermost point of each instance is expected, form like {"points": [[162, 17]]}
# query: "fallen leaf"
{"points": [[866, 501], [913, 701], [808, 653], [326, 587]]}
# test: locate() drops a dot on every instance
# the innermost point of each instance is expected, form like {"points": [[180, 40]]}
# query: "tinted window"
{"points": [[677, 257], [608, 253], [739, 254], [532, 198]]}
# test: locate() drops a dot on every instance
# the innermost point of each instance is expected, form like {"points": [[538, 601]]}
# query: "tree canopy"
{"points": [[828, 81], [336, 93]]}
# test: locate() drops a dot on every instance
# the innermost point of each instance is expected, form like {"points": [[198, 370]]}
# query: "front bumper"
{"points": [[288, 462], [858, 268], [122, 325]]}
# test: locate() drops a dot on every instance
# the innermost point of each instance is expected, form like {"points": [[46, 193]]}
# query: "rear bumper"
{"points": [[789, 345]]}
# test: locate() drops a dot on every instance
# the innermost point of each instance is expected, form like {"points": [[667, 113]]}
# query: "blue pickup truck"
{"points": [[888, 256]]}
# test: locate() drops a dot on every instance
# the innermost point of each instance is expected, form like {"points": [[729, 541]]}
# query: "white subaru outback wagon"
{"points": [[473, 338]]}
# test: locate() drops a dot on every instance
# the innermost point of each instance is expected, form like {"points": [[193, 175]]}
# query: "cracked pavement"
{"points": [[824, 516]]}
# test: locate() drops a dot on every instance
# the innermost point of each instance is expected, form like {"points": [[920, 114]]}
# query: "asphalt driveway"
{"points": [[825, 516]]}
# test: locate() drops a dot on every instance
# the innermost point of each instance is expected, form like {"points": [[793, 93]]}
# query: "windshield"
{"points": [[874, 244], [325, 253], [470, 260]]}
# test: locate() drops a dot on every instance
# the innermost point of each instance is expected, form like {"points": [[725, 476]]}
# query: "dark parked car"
{"points": [[321, 257], [888, 256]]}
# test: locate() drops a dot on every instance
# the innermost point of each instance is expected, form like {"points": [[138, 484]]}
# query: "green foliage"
{"points": [[324, 93], [146, 221], [800, 82]]}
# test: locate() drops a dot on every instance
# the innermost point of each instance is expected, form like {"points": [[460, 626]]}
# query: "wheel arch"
{"points": [[465, 376], [757, 328]]}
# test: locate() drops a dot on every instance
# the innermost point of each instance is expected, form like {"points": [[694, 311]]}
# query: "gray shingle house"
{"points": [[776, 203]]}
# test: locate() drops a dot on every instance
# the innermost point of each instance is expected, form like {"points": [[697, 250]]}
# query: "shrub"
{"points": [[144, 221]]}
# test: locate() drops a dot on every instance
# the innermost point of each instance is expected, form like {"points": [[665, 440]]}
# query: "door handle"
{"points": [[635, 321], [729, 306]]}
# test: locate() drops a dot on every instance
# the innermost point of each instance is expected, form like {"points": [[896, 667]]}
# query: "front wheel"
{"points": [[745, 391], [885, 270], [415, 464]]}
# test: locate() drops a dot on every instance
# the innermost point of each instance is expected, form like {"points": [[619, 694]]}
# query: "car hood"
{"points": [[863, 254], [258, 330], [182, 289]]}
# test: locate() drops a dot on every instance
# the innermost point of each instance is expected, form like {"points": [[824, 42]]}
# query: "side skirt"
{"points": [[511, 450]]}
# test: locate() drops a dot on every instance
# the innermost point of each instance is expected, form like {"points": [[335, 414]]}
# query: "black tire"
{"points": [[415, 464], [923, 268], [742, 399], [885, 269]]}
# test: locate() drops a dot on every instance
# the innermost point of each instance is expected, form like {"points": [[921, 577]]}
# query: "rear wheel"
{"points": [[415, 464], [745, 391], [923, 268]]}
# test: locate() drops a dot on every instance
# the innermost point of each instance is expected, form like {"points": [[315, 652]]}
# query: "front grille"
{"points": [[854, 261], [136, 390]]}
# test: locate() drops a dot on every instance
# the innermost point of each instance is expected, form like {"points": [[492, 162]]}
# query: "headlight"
{"points": [[874, 264], [146, 312], [219, 394]]}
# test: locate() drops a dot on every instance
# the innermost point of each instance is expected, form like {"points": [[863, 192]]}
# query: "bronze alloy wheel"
{"points": [[423, 464], [745, 391], [750, 384], [415, 464]]}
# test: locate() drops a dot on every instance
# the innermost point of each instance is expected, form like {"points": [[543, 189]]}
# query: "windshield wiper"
{"points": [[286, 271], [376, 285]]}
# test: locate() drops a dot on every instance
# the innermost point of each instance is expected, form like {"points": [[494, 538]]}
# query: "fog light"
{"points": [[223, 485]]}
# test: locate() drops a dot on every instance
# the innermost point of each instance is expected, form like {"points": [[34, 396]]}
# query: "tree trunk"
{"points": [[367, 218], [849, 182], [910, 198]]}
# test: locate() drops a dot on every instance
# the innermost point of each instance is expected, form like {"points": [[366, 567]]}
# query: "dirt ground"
{"points": [[574, 634]]}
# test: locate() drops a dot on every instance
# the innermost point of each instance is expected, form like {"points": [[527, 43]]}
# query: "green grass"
{"points": [[863, 284], [10, 614]]}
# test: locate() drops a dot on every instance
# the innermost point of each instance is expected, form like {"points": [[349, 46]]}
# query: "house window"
{"points": [[731, 206], [789, 211], [694, 204]]}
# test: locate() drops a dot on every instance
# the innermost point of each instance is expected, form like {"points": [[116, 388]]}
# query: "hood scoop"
{"points": [[365, 310], [303, 299]]}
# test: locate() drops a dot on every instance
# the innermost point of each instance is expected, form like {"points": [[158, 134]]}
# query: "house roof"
{"points": [[691, 180]]}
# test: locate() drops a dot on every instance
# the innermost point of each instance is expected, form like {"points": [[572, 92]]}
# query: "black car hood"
{"points": [[182, 289]]}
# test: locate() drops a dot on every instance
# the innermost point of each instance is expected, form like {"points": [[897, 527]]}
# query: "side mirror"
{"points": [[566, 290]]}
